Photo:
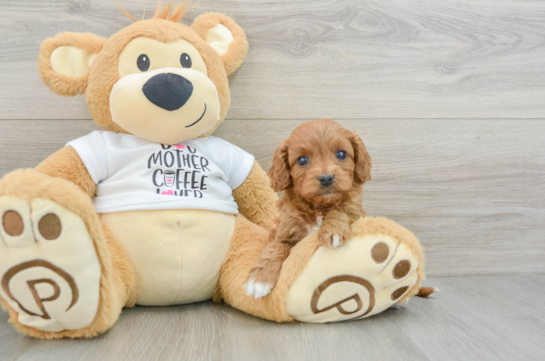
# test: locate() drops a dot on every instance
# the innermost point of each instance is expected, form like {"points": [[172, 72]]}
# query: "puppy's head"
{"points": [[322, 161]]}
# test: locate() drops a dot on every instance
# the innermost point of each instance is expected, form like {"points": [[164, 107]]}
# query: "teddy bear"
{"points": [[154, 210]]}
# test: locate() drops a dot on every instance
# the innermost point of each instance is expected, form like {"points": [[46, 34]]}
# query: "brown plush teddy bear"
{"points": [[154, 210]]}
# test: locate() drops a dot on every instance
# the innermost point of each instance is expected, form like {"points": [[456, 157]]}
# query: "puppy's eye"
{"points": [[185, 60], [143, 62], [302, 160], [341, 154]]}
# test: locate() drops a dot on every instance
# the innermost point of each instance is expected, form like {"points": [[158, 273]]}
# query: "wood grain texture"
{"points": [[448, 97], [325, 58], [471, 190], [472, 318]]}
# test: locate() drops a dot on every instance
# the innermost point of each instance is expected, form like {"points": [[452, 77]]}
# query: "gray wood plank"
{"points": [[326, 58], [472, 318], [471, 190], [192, 332], [373, 340], [12, 343]]}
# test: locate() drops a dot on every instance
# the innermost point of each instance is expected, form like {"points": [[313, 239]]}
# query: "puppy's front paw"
{"points": [[257, 289], [336, 241], [334, 236], [260, 282]]}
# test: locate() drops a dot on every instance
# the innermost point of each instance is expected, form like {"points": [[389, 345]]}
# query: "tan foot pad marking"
{"points": [[49, 270], [50, 226], [339, 305], [399, 292], [13, 223], [362, 278]]}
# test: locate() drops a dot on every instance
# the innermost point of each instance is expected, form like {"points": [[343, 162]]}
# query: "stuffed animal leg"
{"points": [[381, 265], [63, 273]]}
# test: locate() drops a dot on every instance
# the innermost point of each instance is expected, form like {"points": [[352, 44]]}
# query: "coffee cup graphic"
{"points": [[169, 178]]}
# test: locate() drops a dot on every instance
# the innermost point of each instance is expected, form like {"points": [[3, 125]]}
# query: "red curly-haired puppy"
{"points": [[321, 167]]}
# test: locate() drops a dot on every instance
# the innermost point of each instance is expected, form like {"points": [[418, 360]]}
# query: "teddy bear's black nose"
{"points": [[168, 91]]}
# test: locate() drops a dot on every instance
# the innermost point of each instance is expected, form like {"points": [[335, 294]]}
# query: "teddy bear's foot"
{"points": [[49, 269], [374, 270]]}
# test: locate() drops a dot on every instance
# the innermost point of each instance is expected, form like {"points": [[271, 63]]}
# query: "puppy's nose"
{"points": [[326, 179], [168, 91]]}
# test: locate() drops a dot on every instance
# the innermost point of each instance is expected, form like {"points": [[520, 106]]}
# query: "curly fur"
{"points": [[307, 201]]}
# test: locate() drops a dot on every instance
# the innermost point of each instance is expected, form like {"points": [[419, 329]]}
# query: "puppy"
{"points": [[321, 167]]}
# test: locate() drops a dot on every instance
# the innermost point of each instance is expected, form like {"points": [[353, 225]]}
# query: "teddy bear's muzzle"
{"points": [[167, 105]]}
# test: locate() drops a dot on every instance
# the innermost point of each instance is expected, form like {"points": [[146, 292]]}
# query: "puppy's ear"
{"points": [[362, 172], [279, 173], [224, 36], [64, 61]]}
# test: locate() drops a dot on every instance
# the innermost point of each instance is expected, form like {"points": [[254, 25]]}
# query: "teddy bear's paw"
{"points": [[362, 278], [49, 269]]}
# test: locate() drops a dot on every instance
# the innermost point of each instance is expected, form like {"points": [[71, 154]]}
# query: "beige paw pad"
{"points": [[49, 270], [364, 277]]}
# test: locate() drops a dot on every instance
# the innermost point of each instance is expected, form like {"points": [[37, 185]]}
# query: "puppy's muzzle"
{"points": [[168, 90], [326, 180]]}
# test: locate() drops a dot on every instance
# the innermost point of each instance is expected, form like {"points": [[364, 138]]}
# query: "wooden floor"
{"points": [[449, 97], [472, 318]]}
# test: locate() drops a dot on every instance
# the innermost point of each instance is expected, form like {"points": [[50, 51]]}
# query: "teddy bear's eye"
{"points": [[341, 154], [302, 160], [185, 60], [143, 62]]}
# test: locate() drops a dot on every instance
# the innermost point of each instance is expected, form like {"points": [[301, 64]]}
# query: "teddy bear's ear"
{"points": [[225, 37], [65, 60]]}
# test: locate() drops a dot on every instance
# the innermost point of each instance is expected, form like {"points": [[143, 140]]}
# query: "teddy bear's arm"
{"points": [[67, 164], [256, 199]]}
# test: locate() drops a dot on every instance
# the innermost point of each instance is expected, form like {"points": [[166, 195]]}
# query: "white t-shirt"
{"points": [[132, 173]]}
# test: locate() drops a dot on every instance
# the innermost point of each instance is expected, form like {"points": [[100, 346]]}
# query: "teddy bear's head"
{"points": [[157, 79]]}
